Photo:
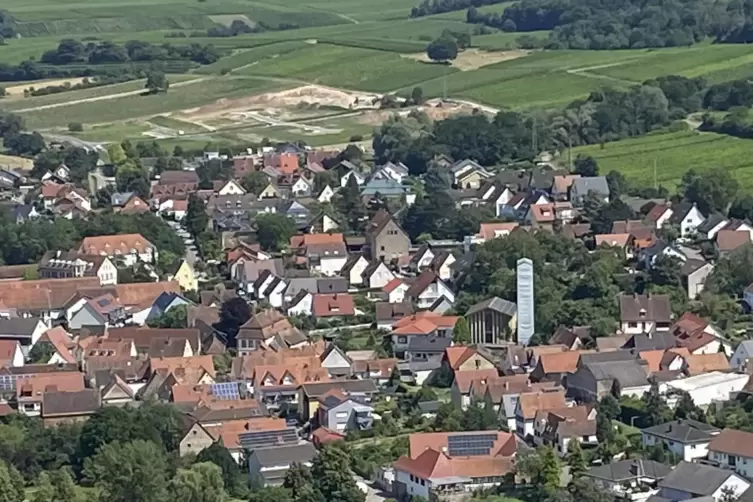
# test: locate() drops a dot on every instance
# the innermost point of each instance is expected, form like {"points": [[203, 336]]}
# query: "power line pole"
{"points": [[655, 187], [534, 146], [570, 153]]}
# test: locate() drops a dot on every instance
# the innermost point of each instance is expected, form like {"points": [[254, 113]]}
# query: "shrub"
{"points": [[75, 127]]}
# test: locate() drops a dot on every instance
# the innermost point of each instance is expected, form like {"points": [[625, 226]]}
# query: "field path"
{"points": [[585, 71], [104, 98]]}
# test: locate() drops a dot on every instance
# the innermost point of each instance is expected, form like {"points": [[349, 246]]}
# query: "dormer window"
{"points": [[642, 313]]}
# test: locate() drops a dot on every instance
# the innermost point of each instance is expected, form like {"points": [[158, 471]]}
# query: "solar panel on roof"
{"points": [[264, 439], [227, 390], [470, 445]]}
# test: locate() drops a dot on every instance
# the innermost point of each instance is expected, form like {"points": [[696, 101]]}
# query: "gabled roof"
{"points": [[704, 363], [733, 442], [495, 303], [562, 362], [729, 240], [112, 245], [696, 479], [683, 431], [333, 305], [637, 308], [532, 402], [457, 355], [464, 379], [70, 403]]}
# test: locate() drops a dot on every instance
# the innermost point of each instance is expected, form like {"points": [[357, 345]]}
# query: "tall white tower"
{"points": [[525, 301]]}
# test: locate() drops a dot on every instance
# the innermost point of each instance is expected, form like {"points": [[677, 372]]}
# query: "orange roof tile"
{"points": [[704, 363], [457, 355], [112, 245], [464, 379], [653, 358], [532, 402], [489, 231], [559, 362]]}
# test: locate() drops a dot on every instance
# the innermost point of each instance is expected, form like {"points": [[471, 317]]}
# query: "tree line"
{"points": [[607, 114], [429, 7], [595, 24], [122, 454], [71, 51]]}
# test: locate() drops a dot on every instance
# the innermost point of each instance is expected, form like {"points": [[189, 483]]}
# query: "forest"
{"points": [[602, 25]]}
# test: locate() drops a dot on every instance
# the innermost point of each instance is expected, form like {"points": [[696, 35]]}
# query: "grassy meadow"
{"points": [[673, 153]]}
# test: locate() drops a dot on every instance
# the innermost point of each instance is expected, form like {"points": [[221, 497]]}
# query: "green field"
{"points": [[20, 103], [714, 62], [128, 107], [673, 153], [349, 68]]}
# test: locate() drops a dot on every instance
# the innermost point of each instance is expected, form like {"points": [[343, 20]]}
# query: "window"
{"points": [[402, 339], [632, 325], [423, 483]]}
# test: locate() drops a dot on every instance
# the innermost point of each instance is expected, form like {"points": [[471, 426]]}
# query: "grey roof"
{"points": [[18, 326], [625, 373], [654, 341], [697, 479], [415, 366], [637, 308], [332, 285], [120, 198], [629, 469], [598, 184], [710, 222], [679, 211], [494, 303], [350, 386], [429, 343], [459, 165], [285, 455], [542, 177], [606, 357], [428, 406], [683, 431], [70, 403], [298, 284]]}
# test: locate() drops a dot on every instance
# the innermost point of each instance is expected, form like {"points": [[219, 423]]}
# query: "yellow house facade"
{"points": [[186, 277]]}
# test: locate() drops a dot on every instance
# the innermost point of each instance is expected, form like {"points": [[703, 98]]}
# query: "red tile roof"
{"points": [[333, 305], [111, 245]]}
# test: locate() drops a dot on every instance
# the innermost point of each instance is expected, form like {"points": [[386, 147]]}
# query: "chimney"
{"points": [[507, 385]]}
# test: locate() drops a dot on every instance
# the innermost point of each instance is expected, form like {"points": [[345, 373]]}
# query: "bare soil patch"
{"points": [[227, 19], [308, 95], [18, 90], [14, 162], [473, 59]]}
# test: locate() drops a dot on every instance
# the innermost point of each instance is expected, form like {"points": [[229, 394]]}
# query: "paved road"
{"points": [[374, 494]]}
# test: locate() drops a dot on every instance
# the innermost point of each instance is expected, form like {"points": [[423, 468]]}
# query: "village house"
{"points": [[421, 324], [341, 412], [324, 253], [644, 313], [128, 248], [385, 239], [632, 479], [64, 265], [688, 439], [441, 464], [265, 327], [733, 449], [557, 427], [530, 403], [690, 480], [427, 288]]}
